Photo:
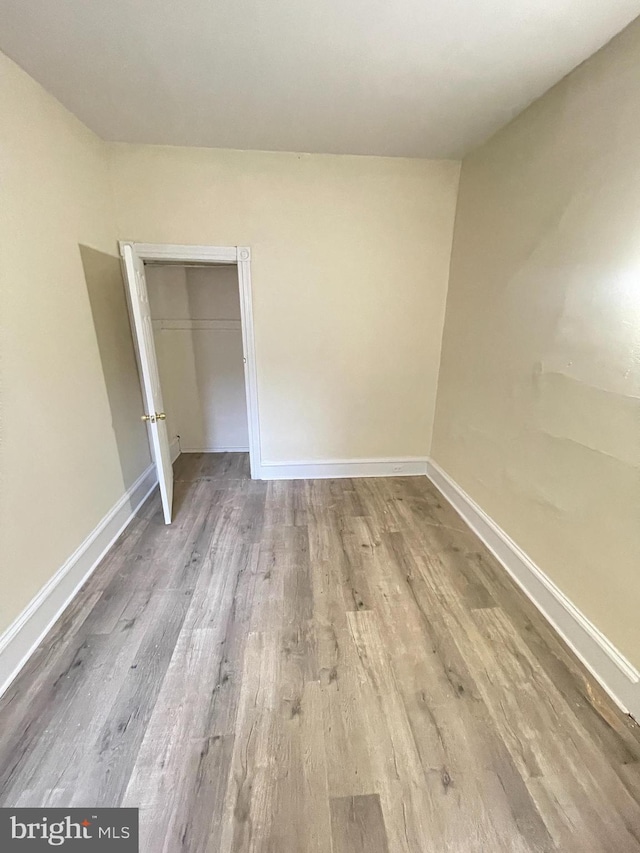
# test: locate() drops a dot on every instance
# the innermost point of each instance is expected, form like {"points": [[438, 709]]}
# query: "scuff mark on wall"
{"points": [[603, 421]]}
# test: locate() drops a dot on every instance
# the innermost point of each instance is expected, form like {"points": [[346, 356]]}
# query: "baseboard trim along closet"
{"points": [[214, 450], [337, 468], [176, 449], [21, 639], [619, 678]]}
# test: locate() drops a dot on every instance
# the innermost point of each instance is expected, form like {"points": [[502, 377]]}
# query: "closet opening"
{"points": [[191, 314], [197, 329]]}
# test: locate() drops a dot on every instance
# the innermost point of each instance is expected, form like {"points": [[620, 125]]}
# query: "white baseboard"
{"points": [[22, 638], [619, 678], [214, 450], [336, 468]]}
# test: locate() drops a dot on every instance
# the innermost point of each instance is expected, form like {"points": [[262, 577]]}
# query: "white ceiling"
{"points": [[418, 78]]}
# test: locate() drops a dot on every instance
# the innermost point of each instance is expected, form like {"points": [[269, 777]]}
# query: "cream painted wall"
{"points": [[350, 259], [59, 464], [538, 414], [201, 364]]}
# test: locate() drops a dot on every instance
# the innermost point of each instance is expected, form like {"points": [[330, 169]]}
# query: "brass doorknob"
{"points": [[151, 418], [160, 416]]}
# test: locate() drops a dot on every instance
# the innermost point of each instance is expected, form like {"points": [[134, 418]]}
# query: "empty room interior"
{"points": [[320, 426]]}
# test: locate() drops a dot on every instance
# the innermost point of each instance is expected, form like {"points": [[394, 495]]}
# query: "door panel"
{"points": [[152, 392]]}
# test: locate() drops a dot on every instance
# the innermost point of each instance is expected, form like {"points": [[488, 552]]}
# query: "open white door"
{"points": [[155, 416]]}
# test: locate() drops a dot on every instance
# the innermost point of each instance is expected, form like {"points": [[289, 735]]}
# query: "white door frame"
{"points": [[241, 257]]}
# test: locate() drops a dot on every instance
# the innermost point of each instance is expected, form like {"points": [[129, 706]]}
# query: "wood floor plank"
{"points": [[55, 751], [210, 655], [107, 766], [350, 769], [411, 816], [317, 667], [249, 796], [357, 825]]}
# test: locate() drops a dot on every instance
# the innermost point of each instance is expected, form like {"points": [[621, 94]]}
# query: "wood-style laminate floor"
{"points": [[332, 666]]}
